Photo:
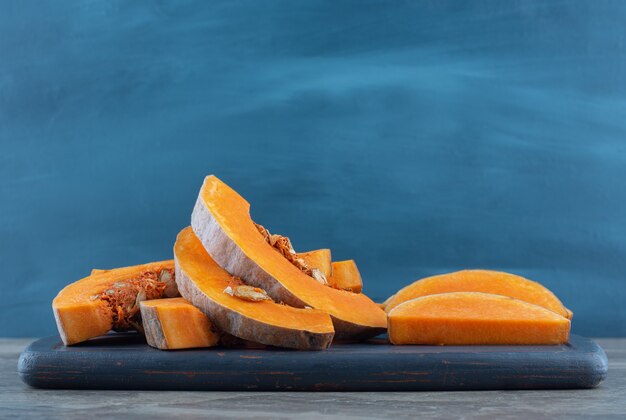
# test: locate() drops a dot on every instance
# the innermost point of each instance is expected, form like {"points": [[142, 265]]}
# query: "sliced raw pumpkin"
{"points": [[109, 300], [249, 316], [172, 324], [346, 276], [320, 259], [486, 281], [461, 318], [221, 220]]}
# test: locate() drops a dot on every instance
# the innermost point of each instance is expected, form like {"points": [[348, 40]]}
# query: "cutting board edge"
{"points": [[589, 364]]}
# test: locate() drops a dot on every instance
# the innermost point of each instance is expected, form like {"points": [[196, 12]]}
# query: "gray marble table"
{"points": [[606, 401]]}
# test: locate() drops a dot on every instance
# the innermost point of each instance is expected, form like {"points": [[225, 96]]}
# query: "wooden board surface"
{"points": [[124, 361]]}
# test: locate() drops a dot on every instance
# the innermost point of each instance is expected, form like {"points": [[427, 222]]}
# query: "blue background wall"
{"points": [[415, 137]]}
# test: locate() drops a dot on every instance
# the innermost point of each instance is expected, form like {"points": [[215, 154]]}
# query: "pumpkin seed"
{"points": [[319, 276], [141, 296], [249, 293], [171, 289]]}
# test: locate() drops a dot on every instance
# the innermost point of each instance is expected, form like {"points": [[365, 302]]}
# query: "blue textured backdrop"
{"points": [[416, 137]]}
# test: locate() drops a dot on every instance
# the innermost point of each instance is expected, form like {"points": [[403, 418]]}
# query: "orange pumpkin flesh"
{"points": [[320, 259], [467, 318], [346, 276], [485, 281], [221, 220], [94, 305], [203, 282], [172, 324]]}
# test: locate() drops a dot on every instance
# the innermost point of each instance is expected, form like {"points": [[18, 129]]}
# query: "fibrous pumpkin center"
{"points": [[123, 297], [283, 245]]}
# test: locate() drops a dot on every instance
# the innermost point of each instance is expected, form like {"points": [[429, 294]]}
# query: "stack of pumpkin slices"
{"points": [[233, 283], [476, 307], [237, 282]]}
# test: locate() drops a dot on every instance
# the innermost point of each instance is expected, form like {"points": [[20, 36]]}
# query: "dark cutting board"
{"points": [[124, 361]]}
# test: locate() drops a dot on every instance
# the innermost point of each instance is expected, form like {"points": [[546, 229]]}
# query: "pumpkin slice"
{"points": [[171, 324], [320, 259], [94, 305], [486, 281], [461, 318], [346, 276], [251, 317], [221, 220]]}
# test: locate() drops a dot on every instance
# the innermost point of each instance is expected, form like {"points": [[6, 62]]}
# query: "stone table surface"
{"points": [[606, 401]]}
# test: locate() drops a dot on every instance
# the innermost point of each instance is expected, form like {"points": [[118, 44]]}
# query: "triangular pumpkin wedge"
{"points": [[204, 283], [173, 324], [107, 300], [346, 276], [485, 281], [221, 220], [464, 318], [320, 259]]}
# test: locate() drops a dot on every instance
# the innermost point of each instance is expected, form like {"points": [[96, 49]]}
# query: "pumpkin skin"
{"points": [[485, 281], [346, 276], [173, 324], [79, 316], [320, 259], [471, 318], [203, 282], [221, 220]]}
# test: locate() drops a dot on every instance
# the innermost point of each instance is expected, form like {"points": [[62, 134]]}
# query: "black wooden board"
{"points": [[124, 361]]}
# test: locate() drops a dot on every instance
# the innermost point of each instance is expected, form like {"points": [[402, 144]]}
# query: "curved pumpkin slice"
{"points": [[172, 324], [346, 276], [221, 220], [486, 281], [462, 318], [94, 305], [204, 283]]}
